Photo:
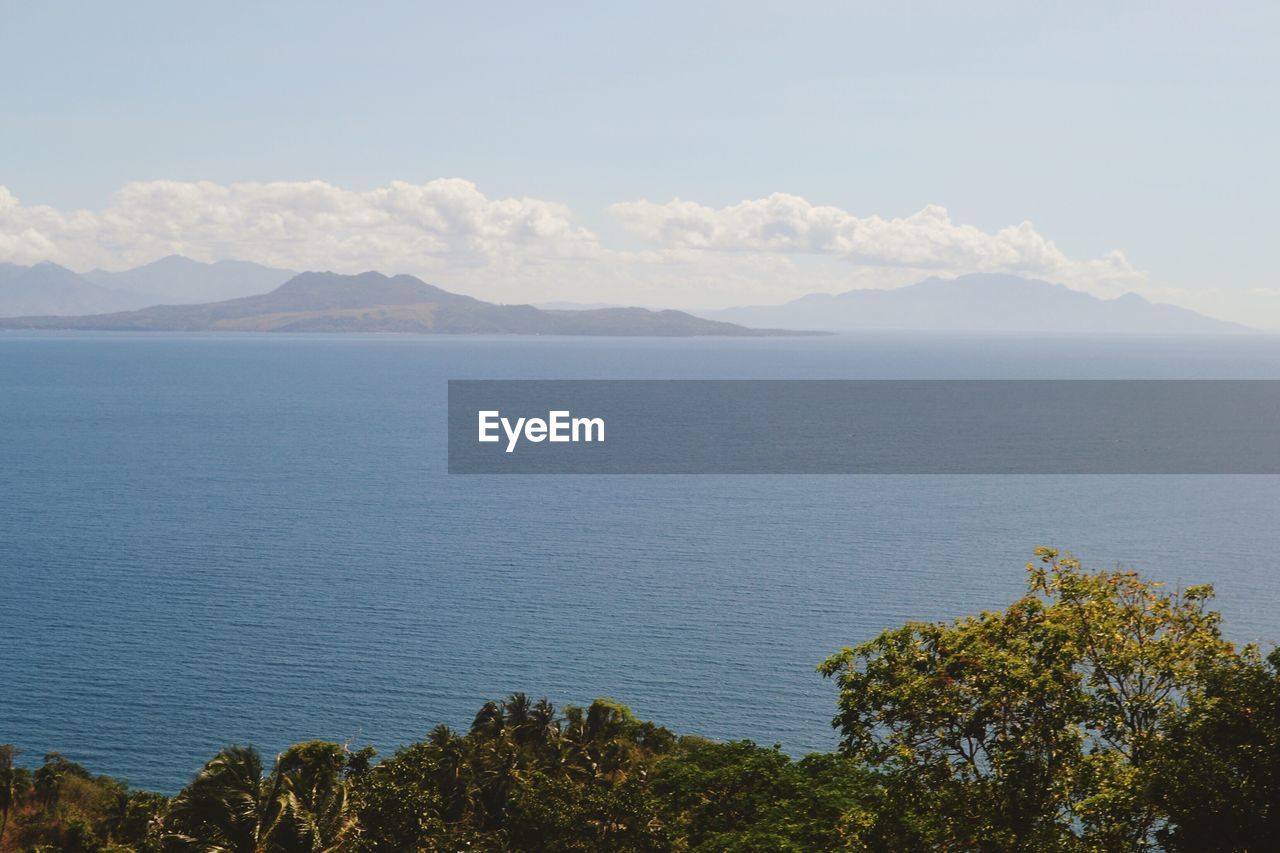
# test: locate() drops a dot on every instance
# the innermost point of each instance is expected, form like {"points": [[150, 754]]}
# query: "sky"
{"points": [[677, 154]]}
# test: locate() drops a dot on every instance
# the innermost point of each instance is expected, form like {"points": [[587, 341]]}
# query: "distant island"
{"points": [[981, 302], [373, 302], [180, 294]]}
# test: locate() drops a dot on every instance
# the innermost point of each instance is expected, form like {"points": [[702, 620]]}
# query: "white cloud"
{"points": [[311, 225], [927, 241]]}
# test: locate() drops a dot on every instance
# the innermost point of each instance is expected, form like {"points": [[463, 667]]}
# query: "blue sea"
{"points": [[231, 538]]}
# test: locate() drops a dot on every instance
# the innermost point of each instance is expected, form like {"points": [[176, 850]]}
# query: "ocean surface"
{"points": [[208, 539]]}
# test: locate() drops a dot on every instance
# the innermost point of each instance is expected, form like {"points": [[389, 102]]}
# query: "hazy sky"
{"points": [[537, 151]]}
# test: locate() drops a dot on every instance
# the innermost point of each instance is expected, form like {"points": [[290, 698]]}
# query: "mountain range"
{"points": [[176, 280], [980, 302], [187, 294], [49, 289], [373, 302]]}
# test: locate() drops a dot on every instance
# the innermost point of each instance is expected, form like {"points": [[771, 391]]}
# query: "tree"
{"points": [[399, 802], [1143, 654], [525, 776], [51, 776], [229, 806], [301, 805], [1029, 728], [1216, 772], [550, 814], [740, 796], [14, 782], [136, 819]]}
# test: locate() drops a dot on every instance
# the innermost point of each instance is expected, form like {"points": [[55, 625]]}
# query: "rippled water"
{"points": [[232, 538]]}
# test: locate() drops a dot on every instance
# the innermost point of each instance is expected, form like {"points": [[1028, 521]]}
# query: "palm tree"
{"points": [[441, 736], [541, 728], [516, 712], [490, 721], [319, 814], [232, 806], [229, 806], [453, 773]]}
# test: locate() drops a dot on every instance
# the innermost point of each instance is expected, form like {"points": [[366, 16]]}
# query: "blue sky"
{"points": [[1150, 129]]}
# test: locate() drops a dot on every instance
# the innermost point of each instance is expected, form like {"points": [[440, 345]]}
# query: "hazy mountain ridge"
{"points": [[176, 280], [47, 288], [978, 302], [373, 302]]}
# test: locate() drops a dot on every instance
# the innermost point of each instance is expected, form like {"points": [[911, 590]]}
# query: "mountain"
{"points": [[372, 302], [50, 289], [980, 302], [176, 280]]}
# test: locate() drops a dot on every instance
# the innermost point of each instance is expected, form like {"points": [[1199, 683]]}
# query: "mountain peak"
{"points": [[362, 290], [49, 288], [171, 263], [179, 280]]}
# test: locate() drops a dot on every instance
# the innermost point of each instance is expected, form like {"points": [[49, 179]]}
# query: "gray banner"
{"points": [[864, 427]]}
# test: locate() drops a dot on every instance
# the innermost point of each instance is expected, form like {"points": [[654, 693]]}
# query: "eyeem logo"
{"points": [[559, 426]]}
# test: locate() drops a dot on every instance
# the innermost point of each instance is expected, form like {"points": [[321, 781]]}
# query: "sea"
{"points": [[209, 539]]}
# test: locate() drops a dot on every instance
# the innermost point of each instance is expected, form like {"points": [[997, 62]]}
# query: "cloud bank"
{"points": [[312, 225], [924, 241], [528, 249]]}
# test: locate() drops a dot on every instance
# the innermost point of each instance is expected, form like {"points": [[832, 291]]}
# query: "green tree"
{"points": [[1029, 728], [1143, 653], [740, 796], [1216, 772], [50, 778], [232, 805], [78, 836], [136, 819], [399, 802], [525, 776], [559, 814]]}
